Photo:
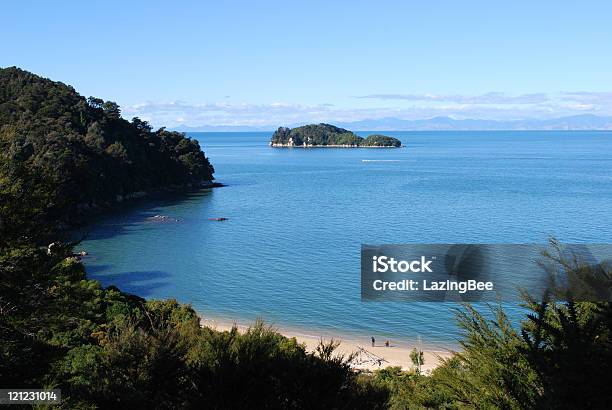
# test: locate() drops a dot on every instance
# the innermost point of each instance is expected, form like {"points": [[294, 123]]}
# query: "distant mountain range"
{"points": [[575, 122]]}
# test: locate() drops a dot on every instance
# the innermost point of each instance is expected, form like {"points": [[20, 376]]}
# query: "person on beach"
{"points": [[373, 341], [387, 343]]}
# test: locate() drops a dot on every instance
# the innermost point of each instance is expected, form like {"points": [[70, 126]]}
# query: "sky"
{"points": [[271, 63]]}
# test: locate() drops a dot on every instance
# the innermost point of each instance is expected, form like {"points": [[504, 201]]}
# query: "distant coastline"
{"points": [[584, 122]]}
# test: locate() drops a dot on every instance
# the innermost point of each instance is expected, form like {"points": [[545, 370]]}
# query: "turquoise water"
{"points": [[290, 251]]}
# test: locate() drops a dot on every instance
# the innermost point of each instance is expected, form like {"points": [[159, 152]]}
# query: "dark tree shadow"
{"points": [[118, 220], [141, 283], [93, 270]]}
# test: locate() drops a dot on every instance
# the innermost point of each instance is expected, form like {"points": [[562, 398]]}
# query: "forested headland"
{"points": [[66, 154], [62, 154]]}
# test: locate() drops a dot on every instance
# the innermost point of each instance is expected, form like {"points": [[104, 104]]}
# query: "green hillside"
{"points": [[75, 154]]}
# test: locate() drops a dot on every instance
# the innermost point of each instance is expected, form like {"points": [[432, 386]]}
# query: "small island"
{"points": [[330, 136]]}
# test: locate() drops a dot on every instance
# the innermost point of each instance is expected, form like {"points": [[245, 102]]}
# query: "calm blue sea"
{"points": [[290, 251]]}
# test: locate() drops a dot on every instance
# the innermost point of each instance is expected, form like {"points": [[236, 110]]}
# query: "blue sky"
{"points": [[260, 63]]}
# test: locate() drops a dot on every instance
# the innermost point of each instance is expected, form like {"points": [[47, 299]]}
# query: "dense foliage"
{"points": [[73, 153], [325, 135], [377, 140], [561, 358]]}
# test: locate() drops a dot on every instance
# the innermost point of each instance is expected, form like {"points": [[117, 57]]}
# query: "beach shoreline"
{"points": [[396, 354]]}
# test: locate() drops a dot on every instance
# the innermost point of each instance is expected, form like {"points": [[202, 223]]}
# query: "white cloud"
{"points": [[488, 98], [598, 98], [493, 106]]}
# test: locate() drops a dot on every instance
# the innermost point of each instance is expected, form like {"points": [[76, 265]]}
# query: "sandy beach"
{"points": [[397, 354]]}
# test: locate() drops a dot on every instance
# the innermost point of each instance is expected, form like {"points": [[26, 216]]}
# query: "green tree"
{"points": [[418, 359]]}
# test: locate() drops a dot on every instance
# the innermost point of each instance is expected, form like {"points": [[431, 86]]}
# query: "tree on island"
{"points": [[322, 135]]}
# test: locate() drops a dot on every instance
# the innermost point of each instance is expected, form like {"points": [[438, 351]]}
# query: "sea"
{"points": [[289, 251]]}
